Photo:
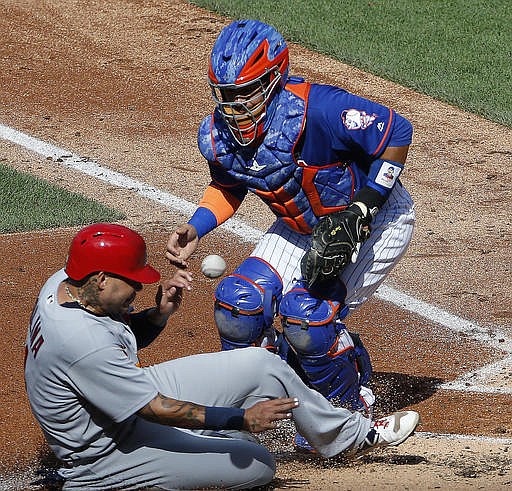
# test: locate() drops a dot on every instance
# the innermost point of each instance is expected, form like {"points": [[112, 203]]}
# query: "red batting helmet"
{"points": [[111, 248]]}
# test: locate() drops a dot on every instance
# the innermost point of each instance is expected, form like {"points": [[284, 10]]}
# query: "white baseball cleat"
{"points": [[391, 431]]}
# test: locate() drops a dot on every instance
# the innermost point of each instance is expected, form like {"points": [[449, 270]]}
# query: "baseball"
{"points": [[213, 266]]}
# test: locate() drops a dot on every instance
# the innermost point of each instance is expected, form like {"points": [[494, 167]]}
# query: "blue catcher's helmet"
{"points": [[248, 67]]}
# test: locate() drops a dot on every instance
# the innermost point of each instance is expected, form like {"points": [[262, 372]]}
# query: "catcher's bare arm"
{"points": [[182, 414], [217, 205], [181, 245]]}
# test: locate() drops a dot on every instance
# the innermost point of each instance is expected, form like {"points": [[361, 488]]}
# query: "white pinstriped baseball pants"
{"points": [[391, 233]]}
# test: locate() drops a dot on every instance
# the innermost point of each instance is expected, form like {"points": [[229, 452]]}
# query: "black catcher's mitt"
{"points": [[335, 241]]}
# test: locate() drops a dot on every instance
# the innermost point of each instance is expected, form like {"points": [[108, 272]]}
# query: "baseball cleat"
{"points": [[301, 444], [389, 431]]}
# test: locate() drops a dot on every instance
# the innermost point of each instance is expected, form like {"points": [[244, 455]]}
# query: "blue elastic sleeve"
{"points": [[383, 174], [224, 418], [145, 331], [203, 220]]}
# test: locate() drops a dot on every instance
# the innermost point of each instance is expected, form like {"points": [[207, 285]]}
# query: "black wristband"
{"points": [[223, 418], [370, 197]]}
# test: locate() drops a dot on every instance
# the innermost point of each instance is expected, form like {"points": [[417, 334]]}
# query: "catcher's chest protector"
{"points": [[292, 189]]}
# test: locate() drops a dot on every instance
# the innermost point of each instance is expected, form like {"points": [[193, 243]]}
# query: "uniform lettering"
{"points": [[35, 330], [36, 345], [36, 338]]}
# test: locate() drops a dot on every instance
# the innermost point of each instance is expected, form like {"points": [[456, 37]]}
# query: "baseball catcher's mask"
{"points": [[111, 248], [248, 67]]}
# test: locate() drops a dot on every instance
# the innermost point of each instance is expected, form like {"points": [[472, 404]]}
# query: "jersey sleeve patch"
{"points": [[353, 119], [387, 174]]}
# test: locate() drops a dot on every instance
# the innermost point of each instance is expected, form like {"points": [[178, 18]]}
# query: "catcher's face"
{"points": [[244, 106]]}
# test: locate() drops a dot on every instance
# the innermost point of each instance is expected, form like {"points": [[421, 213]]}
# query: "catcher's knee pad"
{"points": [[246, 302], [324, 347]]}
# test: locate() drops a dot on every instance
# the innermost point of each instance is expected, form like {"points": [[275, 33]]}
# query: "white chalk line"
{"points": [[473, 381], [455, 436], [492, 337], [249, 234]]}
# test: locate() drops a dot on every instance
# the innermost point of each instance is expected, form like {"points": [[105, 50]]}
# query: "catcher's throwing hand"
{"points": [[181, 245], [335, 242], [265, 415]]}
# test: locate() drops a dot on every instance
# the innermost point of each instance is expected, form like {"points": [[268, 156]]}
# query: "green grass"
{"points": [[457, 51], [28, 203]]}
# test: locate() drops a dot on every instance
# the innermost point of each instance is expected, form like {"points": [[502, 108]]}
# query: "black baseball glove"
{"points": [[335, 242]]}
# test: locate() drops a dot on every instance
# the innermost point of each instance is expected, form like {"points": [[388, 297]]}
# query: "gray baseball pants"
{"points": [[170, 458]]}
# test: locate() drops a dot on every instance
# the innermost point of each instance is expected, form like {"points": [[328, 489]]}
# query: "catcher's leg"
{"points": [[246, 302], [283, 248], [333, 363], [391, 233]]}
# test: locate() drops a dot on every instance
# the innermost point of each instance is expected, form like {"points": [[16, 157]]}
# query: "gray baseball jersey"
{"points": [[85, 387], [82, 376]]}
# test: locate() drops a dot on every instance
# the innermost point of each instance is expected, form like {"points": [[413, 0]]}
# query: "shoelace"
{"points": [[371, 439]]}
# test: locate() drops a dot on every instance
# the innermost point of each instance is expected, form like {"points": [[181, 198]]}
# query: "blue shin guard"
{"points": [[323, 346]]}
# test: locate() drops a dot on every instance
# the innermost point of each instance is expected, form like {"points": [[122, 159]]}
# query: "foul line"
{"points": [[471, 382], [455, 436]]}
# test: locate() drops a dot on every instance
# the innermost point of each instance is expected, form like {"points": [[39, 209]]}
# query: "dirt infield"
{"points": [[123, 83]]}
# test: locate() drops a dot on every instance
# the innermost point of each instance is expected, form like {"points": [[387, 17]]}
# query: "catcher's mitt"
{"points": [[335, 241]]}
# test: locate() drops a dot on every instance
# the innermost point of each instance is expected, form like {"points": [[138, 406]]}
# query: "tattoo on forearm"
{"points": [[149, 414], [182, 413]]}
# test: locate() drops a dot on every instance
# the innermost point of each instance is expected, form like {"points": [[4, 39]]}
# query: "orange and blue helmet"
{"points": [[248, 67]]}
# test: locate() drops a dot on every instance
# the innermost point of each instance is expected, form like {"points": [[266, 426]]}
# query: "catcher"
{"points": [[327, 164]]}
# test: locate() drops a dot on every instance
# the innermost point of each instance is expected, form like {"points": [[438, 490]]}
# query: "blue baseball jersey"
{"points": [[344, 127], [316, 154]]}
